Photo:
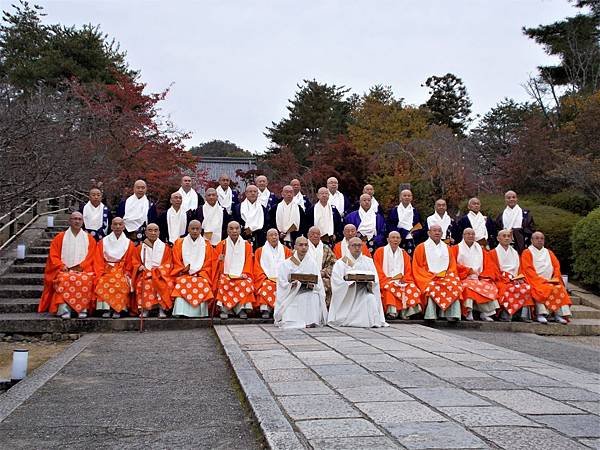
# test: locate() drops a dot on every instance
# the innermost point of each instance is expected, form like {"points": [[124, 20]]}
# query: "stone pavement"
{"points": [[131, 390], [408, 386]]}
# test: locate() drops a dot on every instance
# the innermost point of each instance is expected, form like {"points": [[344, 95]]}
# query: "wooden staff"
{"points": [[140, 307]]}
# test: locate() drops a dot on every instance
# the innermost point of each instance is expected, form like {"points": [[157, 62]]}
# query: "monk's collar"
{"points": [[149, 243]]}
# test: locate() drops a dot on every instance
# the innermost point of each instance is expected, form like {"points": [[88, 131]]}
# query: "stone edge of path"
{"points": [[277, 430], [20, 392]]}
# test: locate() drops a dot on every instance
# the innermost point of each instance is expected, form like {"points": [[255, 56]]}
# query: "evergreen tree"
{"points": [[449, 102]]}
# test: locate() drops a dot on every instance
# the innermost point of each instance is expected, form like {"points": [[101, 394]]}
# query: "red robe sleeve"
{"points": [[54, 265], [249, 261], [420, 269]]}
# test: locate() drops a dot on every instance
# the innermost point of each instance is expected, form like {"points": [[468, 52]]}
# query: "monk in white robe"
{"points": [[375, 206], [299, 198], [267, 261], [440, 217], [288, 217], [137, 211], [252, 217], [174, 221], [324, 256], [96, 215], [336, 198], [266, 198], [191, 200], [435, 274], [214, 218], [484, 227], [355, 304], [340, 249], [476, 273], [325, 217], [228, 198], [298, 304]]}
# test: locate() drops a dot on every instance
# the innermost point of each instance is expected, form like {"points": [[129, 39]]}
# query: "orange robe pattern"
{"points": [[513, 292], [113, 283], [480, 290], [444, 289], [75, 288], [195, 288], [264, 287], [233, 290], [337, 250], [552, 294], [400, 292], [152, 286]]}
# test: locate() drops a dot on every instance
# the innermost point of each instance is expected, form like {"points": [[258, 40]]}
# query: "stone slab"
{"points": [[430, 435], [300, 388], [567, 393], [337, 428], [395, 412], [317, 407], [447, 397], [354, 443], [380, 393], [528, 402], [485, 416], [523, 438], [582, 426]]}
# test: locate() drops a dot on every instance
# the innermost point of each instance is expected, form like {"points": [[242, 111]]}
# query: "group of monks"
{"points": [[303, 264]]}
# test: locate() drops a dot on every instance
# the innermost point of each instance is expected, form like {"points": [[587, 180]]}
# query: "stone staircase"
{"points": [[21, 286]]}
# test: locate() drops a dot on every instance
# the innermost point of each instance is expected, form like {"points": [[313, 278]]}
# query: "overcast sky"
{"points": [[234, 64]]}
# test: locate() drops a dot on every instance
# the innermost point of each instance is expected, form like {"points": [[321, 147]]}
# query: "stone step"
{"points": [[27, 268], [38, 250], [18, 305], [43, 242], [585, 312], [23, 291], [35, 259], [19, 279]]}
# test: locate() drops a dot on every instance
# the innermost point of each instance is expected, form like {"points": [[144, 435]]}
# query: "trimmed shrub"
{"points": [[556, 224], [586, 249], [575, 201]]}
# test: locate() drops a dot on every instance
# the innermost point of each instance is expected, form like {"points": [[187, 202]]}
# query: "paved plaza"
{"points": [[408, 386]]}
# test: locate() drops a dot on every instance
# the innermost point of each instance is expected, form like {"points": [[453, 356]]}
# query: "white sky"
{"points": [[234, 64]]}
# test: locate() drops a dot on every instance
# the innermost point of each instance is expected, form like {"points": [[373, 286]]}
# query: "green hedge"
{"points": [[586, 249], [556, 224], [575, 201]]}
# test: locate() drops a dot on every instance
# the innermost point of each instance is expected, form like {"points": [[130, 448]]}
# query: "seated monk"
{"points": [[514, 293], [355, 303], [542, 271], [234, 274], [340, 249], [194, 262], [324, 256], [435, 274], [476, 273], [300, 304], [152, 264], [69, 273], [267, 260], [114, 256], [399, 293]]}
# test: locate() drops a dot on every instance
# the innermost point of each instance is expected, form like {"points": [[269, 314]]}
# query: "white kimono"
{"points": [[354, 304], [296, 306]]}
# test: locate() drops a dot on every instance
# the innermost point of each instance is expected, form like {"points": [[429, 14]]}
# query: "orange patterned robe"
{"points": [[153, 285]]}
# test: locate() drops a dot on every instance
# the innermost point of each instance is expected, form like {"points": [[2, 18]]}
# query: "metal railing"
{"points": [[19, 221]]}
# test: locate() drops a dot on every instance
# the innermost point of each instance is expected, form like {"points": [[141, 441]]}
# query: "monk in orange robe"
{"points": [[267, 260], [476, 273], [399, 293], [435, 274], [114, 255], [69, 273], [340, 249], [194, 263], [234, 274], [514, 293], [542, 271], [152, 264]]}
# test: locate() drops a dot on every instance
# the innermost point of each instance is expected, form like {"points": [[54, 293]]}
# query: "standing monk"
{"points": [[191, 199], [96, 215], [289, 218], [406, 220], [267, 261], [370, 226], [114, 256], [399, 293], [336, 198], [375, 206], [299, 198], [326, 218], [435, 275], [173, 222], [266, 198], [137, 211], [152, 264], [440, 217], [542, 271], [194, 262], [517, 219], [69, 273], [252, 218], [485, 230], [214, 218], [228, 198], [234, 275]]}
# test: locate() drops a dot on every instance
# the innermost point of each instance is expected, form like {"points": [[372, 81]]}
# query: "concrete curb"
{"points": [[278, 432], [20, 392]]}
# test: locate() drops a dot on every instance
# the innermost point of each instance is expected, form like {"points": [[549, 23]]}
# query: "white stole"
{"points": [[189, 199], [225, 198], [512, 218], [471, 257], [508, 260], [114, 249], [235, 256], [542, 262], [152, 256], [443, 222], [286, 216], [405, 217], [299, 200], [263, 197], [271, 258], [345, 251], [316, 252], [213, 222], [93, 216], [337, 200], [478, 225], [252, 214], [368, 223], [176, 223], [323, 218], [136, 212], [193, 253], [74, 248], [437, 256], [393, 262], [374, 204]]}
